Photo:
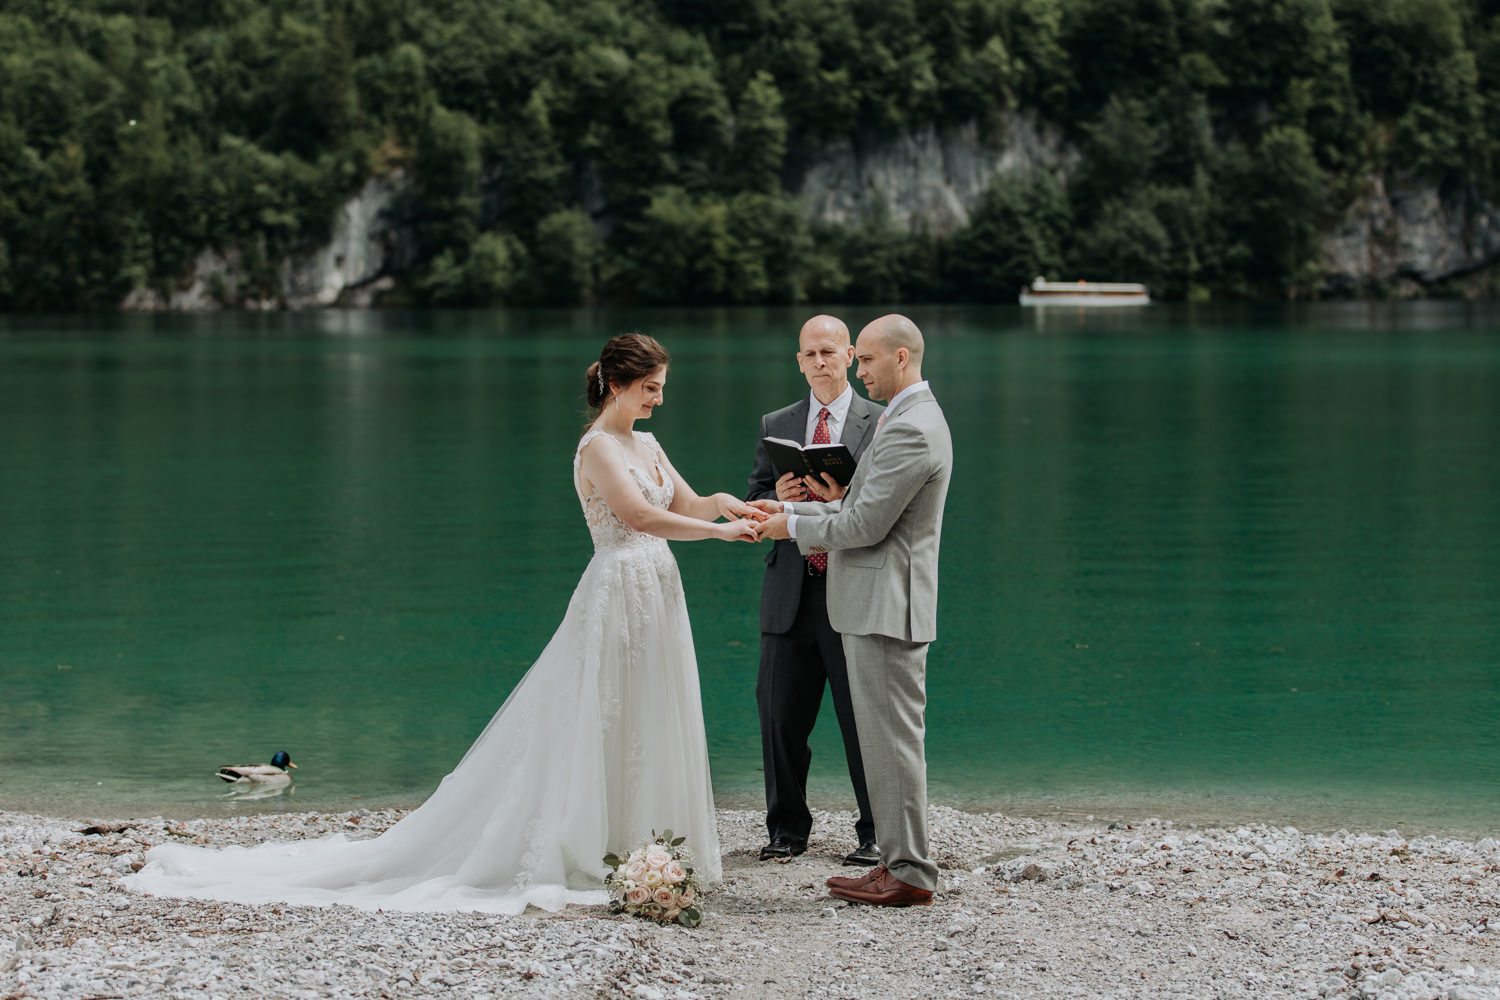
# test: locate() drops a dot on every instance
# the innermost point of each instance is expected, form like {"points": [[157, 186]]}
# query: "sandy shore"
{"points": [[1028, 908]]}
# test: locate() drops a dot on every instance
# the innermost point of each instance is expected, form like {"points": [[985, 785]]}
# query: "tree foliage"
{"points": [[643, 150]]}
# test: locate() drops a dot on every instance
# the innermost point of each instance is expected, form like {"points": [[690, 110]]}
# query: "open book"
{"points": [[811, 460]]}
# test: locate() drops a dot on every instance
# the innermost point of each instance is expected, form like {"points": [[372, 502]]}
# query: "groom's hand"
{"points": [[773, 527]]}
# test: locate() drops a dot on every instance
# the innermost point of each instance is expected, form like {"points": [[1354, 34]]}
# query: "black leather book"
{"points": [[811, 460]]}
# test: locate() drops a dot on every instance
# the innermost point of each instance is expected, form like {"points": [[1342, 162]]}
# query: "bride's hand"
{"points": [[731, 507], [738, 531]]}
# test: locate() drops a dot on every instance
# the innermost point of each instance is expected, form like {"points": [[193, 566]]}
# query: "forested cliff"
{"points": [[195, 153]]}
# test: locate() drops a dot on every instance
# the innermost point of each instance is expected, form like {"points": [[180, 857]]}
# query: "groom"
{"points": [[882, 543]]}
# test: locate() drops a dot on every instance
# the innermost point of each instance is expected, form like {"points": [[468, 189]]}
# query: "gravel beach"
{"points": [[1106, 907]]}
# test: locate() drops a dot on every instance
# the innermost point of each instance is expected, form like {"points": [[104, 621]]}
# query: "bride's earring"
{"points": [[617, 400]]}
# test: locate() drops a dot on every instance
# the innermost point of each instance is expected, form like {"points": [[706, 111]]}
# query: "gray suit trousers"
{"points": [[888, 684]]}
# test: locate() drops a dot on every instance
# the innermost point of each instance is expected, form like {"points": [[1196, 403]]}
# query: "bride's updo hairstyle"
{"points": [[627, 358]]}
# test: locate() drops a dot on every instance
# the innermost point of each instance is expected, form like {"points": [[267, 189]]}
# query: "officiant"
{"points": [[800, 653]]}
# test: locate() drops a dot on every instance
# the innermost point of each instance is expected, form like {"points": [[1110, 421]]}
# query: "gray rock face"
{"points": [[1403, 230], [930, 179], [368, 239]]}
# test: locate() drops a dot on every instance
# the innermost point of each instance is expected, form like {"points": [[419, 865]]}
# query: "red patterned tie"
{"points": [[819, 560]]}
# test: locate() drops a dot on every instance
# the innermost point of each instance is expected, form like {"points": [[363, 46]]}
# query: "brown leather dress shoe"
{"points": [[844, 882], [884, 889]]}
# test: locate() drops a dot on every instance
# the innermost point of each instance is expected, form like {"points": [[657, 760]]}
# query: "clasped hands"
{"points": [[742, 520], [789, 488], [760, 519], [756, 520]]}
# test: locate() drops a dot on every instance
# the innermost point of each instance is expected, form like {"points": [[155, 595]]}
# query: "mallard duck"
{"points": [[259, 774]]}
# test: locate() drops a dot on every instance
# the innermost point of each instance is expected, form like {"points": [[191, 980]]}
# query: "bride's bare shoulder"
{"points": [[592, 452]]}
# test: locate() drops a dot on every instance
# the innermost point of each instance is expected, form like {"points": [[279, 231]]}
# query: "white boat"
{"points": [[1084, 293]]}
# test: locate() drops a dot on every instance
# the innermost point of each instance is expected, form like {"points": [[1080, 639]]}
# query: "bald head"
{"points": [[830, 326], [890, 355], [824, 355], [895, 331]]}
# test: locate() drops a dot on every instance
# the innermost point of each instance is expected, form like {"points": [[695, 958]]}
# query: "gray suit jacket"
{"points": [[781, 591], [882, 538]]}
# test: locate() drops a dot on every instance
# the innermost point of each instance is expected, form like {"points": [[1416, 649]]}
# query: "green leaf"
{"points": [[665, 838], [612, 860], [690, 917], [678, 841]]}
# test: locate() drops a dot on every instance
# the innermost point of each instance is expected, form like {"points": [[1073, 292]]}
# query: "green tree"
{"points": [[393, 87], [759, 137], [494, 267], [1119, 154], [68, 261], [1409, 64], [1120, 47], [1269, 203], [681, 249], [1016, 233], [1041, 69], [1127, 241], [314, 94], [447, 190], [770, 248], [532, 166], [885, 264], [484, 274], [565, 257]]}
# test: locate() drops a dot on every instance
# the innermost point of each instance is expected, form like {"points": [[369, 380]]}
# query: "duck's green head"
{"points": [[282, 759]]}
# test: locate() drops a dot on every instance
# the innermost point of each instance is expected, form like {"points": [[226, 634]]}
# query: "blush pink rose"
{"points": [[671, 915], [688, 896], [652, 878], [664, 896], [638, 895], [674, 872], [635, 871], [658, 858]]}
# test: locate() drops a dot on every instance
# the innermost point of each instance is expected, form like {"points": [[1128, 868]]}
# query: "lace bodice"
{"points": [[604, 527]]}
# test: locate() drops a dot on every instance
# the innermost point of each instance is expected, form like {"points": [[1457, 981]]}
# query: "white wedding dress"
{"points": [[599, 744]]}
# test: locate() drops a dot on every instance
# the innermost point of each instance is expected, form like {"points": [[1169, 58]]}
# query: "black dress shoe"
{"points": [[782, 849], [867, 853]]}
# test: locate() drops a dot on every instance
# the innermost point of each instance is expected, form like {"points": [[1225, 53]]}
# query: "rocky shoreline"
{"points": [[1103, 907]]}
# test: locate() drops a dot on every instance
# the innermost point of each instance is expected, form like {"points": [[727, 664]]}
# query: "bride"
{"points": [[599, 744]]}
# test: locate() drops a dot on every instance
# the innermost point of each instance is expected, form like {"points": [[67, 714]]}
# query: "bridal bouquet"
{"points": [[656, 881]]}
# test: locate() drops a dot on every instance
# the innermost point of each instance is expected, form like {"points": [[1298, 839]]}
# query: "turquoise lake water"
{"points": [[1214, 564]]}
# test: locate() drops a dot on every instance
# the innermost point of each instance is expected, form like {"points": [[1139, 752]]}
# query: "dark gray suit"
{"points": [[799, 650]]}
